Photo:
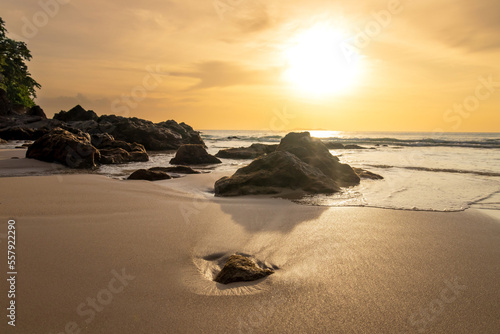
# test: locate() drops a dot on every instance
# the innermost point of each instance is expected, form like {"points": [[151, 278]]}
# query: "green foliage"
{"points": [[15, 78]]}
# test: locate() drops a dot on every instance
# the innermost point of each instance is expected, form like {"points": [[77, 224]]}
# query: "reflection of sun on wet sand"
{"points": [[337, 270]]}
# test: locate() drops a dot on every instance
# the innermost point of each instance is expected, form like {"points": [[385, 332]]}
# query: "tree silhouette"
{"points": [[15, 78]]}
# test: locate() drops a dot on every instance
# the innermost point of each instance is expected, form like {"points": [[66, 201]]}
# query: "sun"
{"points": [[320, 61]]}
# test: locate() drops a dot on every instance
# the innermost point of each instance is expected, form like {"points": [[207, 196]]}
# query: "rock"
{"points": [[22, 133], [176, 169], [77, 113], [275, 173], [364, 174], [70, 149], [313, 152], [193, 154], [187, 133], [251, 152], [354, 147], [239, 268], [340, 146], [153, 137], [334, 146], [36, 111], [3, 141], [117, 151], [148, 175]]}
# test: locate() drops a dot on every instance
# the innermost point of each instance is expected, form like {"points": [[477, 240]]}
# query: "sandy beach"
{"points": [[99, 255]]}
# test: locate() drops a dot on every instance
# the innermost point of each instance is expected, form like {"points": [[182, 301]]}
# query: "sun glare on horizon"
{"points": [[320, 62]]}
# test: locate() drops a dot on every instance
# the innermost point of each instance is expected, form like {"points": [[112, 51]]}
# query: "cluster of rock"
{"points": [[300, 163], [80, 138], [168, 135]]}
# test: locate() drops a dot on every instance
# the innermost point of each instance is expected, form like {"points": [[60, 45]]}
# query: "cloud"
{"points": [[225, 74]]}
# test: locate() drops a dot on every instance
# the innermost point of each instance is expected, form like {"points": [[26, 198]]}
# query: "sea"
{"points": [[422, 171]]}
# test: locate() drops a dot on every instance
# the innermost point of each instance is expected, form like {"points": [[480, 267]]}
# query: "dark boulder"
{"points": [[275, 173], [22, 133], [149, 175], [239, 268], [62, 146], [36, 111], [251, 152], [313, 152], [117, 151], [176, 169], [189, 136], [77, 113], [193, 154]]}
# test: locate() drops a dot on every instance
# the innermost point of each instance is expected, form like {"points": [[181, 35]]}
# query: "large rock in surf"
{"points": [[239, 268], [70, 149], [251, 152], [77, 113], [275, 173], [193, 154], [149, 175], [313, 152]]}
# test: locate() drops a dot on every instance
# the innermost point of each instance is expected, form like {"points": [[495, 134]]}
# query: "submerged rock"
{"points": [[251, 152], [275, 173], [176, 169], [364, 174], [313, 152], [239, 268], [340, 146], [149, 175], [70, 149], [193, 154]]}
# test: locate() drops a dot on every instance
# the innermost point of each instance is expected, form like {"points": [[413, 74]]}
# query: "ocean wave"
{"points": [[424, 142], [484, 141], [440, 170]]}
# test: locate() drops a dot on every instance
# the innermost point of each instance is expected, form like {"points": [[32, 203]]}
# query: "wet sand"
{"points": [[97, 255]]}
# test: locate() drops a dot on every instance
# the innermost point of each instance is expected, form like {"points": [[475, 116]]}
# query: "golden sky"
{"points": [[225, 64]]}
